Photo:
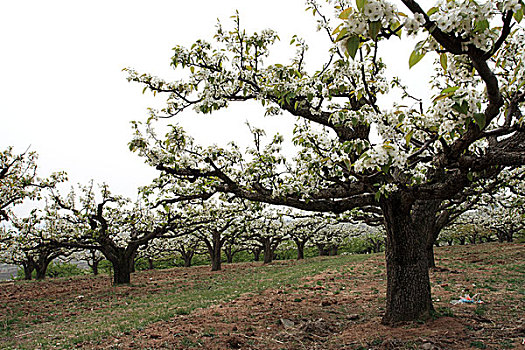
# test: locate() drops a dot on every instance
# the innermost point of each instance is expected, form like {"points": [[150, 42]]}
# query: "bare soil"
{"points": [[337, 309]]}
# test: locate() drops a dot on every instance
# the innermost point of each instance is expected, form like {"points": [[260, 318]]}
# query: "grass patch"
{"points": [[121, 309]]}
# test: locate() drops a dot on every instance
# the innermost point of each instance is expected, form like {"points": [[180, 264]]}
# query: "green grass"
{"points": [[119, 313]]}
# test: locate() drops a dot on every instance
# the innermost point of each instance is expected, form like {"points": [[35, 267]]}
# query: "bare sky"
{"points": [[62, 91]]}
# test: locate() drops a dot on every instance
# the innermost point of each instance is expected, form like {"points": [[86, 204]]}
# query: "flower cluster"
{"points": [[378, 11], [412, 25], [380, 156]]}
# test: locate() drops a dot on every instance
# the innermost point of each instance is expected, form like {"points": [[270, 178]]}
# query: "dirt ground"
{"points": [[339, 309]]}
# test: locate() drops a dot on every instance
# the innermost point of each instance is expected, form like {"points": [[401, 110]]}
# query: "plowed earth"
{"points": [[337, 308]]}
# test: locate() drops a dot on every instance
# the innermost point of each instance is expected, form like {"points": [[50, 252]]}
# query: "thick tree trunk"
{"points": [[408, 284], [256, 254], [215, 252], [322, 250], [216, 263], [268, 251], [28, 271], [431, 257], [41, 272], [229, 254], [300, 249], [94, 267], [150, 264], [41, 269], [122, 270], [187, 259]]}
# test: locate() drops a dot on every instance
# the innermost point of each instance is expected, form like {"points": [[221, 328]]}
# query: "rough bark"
{"points": [[407, 225], [300, 249], [214, 251], [322, 249], [187, 258], [41, 270], [256, 254], [94, 267], [28, 270], [229, 254], [122, 270]]}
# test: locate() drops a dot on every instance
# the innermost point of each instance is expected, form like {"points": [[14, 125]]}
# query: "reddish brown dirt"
{"points": [[334, 310]]}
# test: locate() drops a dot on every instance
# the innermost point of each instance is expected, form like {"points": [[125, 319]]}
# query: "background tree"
{"points": [[221, 221], [28, 247], [110, 224], [268, 231], [428, 150]]}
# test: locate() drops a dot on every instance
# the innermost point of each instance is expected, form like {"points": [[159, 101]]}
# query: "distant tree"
{"points": [[268, 231], [302, 228], [110, 224], [221, 221], [28, 247]]}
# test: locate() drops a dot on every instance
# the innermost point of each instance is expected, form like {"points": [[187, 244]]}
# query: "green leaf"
{"points": [[352, 44], [518, 15], [345, 13], [415, 57], [450, 89], [377, 196], [360, 4], [342, 34], [481, 26], [470, 176], [480, 120], [408, 137], [374, 28], [443, 60], [432, 11], [461, 108]]}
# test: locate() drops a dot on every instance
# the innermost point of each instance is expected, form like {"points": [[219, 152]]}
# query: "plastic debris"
{"points": [[467, 299]]}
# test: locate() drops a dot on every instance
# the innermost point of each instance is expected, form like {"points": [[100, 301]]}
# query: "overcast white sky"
{"points": [[63, 93]]}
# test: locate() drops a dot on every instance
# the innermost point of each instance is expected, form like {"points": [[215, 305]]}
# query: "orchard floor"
{"points": [[321, 303]]}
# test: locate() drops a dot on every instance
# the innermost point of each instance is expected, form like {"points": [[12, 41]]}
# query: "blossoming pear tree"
{"points": [[19, 180], [28, 247], [221, 221], [111, 224], [429, 150]]}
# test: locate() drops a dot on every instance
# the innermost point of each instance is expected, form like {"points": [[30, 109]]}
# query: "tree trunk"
{"points": [[333, 250], [229, 254], [268, 251], [28, 271], [407, 225], [300, 249], [215, 252], [41, 272], [256, 254], [322, 250], [41, 269], [94, 267], [431, 257], [150, 264], [122, 270], [187, 258]]}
